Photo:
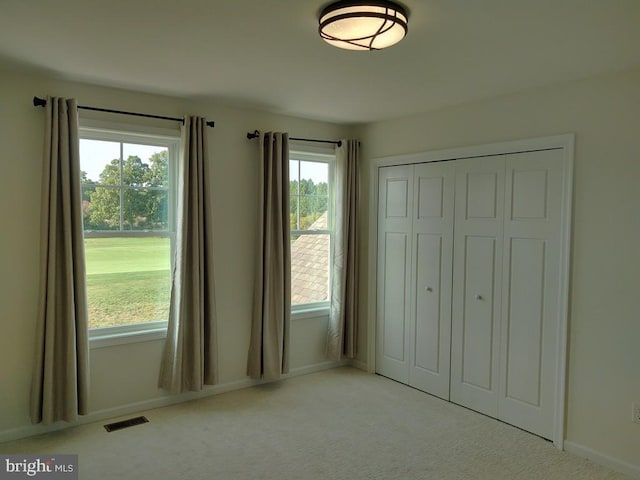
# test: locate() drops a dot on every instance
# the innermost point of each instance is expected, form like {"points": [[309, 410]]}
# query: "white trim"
{"points": [[322, 155], [165, 401], [603, 459], [310, 310], [311, 150], [316, 367], [565, 278], [565, 142], [319, 156], [372, 294], [501, 148], [142, 135], [129, 333], [131, 131]]}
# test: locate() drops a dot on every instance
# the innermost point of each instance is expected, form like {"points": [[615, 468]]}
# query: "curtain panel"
{"points": [[190, 354], [343, 317], [60, 382], [269, 346]]}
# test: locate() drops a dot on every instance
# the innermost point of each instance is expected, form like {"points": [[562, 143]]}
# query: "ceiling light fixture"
{"points": [[363, 25]]}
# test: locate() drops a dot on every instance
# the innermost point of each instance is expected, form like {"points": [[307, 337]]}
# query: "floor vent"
{"points": [[110, 427]]}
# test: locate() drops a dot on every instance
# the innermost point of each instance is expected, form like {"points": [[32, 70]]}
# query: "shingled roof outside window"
{"points": [[310, 265]]}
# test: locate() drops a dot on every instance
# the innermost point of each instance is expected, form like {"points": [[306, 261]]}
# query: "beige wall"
{"points": [[604, 342], [604, 349], [126, 374]]}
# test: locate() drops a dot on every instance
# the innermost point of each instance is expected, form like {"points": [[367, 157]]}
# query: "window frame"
{"points": [[327, 156], [142, 135]]}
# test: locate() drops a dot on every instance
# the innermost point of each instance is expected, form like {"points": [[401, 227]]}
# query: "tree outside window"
{"points": [[127, 207]]}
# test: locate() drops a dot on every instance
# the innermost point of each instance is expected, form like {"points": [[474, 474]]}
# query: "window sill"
{"points": [[315, 311], [110, 336]]}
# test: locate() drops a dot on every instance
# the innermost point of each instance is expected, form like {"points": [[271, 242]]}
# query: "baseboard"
{"points": [[614, 463], [318, 367], [122, 410], [359, 364]]}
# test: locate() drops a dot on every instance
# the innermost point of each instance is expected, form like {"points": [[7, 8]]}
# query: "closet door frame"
{"points": [[563, 142]]}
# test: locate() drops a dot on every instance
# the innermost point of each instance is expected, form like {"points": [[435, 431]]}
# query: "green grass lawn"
{"points": [[128, 280]]}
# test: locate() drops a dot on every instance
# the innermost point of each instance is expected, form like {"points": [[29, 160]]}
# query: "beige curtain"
{"points": [[190, 355], [342, 337], [269, 347], [60, 383]]}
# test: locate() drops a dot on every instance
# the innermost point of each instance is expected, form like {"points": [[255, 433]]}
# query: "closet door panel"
{"points": [[427, 325], [477, 314], [395, 211], [477, 277], [523, 320], [429, 368], [481, 192], [531, 290], [396, 260]]}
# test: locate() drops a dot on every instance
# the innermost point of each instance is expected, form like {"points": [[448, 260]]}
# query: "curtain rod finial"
{"points": [[39, 102]]}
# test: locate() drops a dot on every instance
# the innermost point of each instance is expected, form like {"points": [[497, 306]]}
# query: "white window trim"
{"points": [[133, 333], [318, 154], [117, 132], [310, 310]]}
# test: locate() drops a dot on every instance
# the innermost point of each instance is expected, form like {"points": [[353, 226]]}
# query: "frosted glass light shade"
{"points": [[362, 25]]}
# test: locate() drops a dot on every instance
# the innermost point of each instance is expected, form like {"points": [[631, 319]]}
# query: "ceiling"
{"points": [[267, 53]]}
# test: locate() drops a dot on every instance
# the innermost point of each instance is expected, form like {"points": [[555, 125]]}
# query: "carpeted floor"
{"points": [[336, 424]]}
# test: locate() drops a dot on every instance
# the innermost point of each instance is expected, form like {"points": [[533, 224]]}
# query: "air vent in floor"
{"points": [[110, 427]]}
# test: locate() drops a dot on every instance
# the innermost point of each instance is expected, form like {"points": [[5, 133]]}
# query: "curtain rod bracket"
{"points": [[39, 102]]}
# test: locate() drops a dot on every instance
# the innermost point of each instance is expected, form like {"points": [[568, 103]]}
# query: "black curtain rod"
{"points": [[256, 134], [41, 102]]}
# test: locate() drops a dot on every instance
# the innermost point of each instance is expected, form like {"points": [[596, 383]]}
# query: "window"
{"points": [[128, 202], [311, 234]]}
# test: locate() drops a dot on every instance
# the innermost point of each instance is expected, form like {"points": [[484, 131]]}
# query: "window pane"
{"points": [[315, 212], [293, 212], [294, 166], [145, 209], [101, 208], [99, 161], [318, 172], [128, 280], [309, 194], [309, 268], [145, 165]]}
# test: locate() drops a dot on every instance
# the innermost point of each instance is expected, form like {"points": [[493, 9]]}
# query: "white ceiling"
{"points": [[267, 54]]}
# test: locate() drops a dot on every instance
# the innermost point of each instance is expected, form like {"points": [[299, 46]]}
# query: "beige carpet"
{"points": [[337, 424]]}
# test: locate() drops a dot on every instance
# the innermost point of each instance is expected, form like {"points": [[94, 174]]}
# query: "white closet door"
{"points": [[477, 280], [430, 332], [395, 210], [531, 294]]}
